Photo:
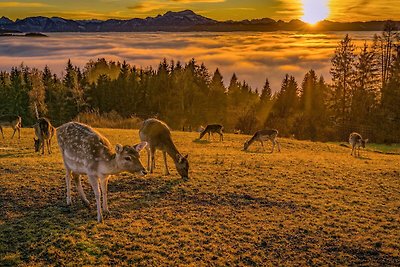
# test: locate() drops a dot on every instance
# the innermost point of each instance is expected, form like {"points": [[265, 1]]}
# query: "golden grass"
{"points": [[311, 204]]}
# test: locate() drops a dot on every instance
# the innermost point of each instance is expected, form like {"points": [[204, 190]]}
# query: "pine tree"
{"points": [[342, 72]]}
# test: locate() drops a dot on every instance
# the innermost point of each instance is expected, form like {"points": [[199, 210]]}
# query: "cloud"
{"points": [[22, 4], [252, 56]]}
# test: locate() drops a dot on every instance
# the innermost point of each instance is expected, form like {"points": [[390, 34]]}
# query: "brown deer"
{"points": [[211, 129], [14, 121], [158, 135], [264, 135], [356, 141], [86, 151], [44, 132]]}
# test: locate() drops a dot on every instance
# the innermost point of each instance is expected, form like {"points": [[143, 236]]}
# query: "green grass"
{"points": [[311, 204]]}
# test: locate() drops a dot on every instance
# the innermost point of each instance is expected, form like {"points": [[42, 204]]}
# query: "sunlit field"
{"points": [[312, 203]]}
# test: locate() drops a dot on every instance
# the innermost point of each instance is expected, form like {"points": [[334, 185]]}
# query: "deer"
{"points": [[44, 132], [158, 136], [14, 121], [356, 141], [86, 151], [264, 135], [211, 129]]}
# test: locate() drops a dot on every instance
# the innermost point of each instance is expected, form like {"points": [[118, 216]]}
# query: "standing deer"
{"points": [[44, 132], [356, 142], [158, 135], [264, 135], [211, 129], [85, 151], [14, 121]]}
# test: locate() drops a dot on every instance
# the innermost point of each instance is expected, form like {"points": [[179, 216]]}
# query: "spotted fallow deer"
{"points": [[264, 135], [158, 136], [356, 141], [211, 129], [13, 121], [86, 151], [44, 132]]}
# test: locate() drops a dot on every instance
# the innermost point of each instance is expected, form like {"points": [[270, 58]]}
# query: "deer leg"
{"points": [[166, 172], [262, 144], [68, 183], [152, 159], [42, 142], [14, 128], [19, 132], [78, 184], [49, 146], [221, 137], [104, 188], [273, 145], [94, 182], [148, 157], [1, 130], [279, 145]]}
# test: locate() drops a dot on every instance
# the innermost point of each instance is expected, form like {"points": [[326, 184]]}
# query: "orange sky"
{"points": [[337, 10]]}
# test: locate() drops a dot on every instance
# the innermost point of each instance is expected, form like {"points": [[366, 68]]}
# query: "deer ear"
{"points": [[366, 140], [187, 155], [179, 157], [118, 148], [140, 146]]}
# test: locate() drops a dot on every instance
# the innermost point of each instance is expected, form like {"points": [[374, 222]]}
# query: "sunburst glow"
{"points": [[315, 10]]}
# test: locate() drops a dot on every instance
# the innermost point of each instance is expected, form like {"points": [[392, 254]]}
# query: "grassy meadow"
{"points": [[310, 204]]}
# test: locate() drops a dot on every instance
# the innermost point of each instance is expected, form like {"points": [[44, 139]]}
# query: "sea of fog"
{"points": [[253, 56]]}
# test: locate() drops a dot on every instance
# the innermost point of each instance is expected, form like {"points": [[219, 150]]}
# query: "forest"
{"points": [[363, 95]]}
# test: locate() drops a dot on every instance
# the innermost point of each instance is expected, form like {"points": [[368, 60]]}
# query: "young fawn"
{"points": [[13, 121], [85, 151], [158, 136], [264, 135], [211, 129], [44, 132], [356, 141]]}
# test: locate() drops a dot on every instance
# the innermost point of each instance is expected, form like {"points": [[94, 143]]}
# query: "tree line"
{"points": [[363, 96]]}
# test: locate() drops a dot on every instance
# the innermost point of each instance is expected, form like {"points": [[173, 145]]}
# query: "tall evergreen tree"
{"points": [[342, 72]]}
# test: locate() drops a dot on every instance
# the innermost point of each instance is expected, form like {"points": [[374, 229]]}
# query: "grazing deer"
{"points": [[44, 132], [13, 121], [264, 135], [211, 129], [158, 135], [85, 151], [356, 142]]}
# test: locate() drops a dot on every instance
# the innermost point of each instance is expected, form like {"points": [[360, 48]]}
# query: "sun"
{"points": [[315, 10]]}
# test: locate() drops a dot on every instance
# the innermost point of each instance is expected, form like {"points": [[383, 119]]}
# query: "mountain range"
{"points": [[185, 20]]}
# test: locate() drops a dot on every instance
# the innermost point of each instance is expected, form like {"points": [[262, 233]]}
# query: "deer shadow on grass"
{"points": [[258, 151], [137, 193]]}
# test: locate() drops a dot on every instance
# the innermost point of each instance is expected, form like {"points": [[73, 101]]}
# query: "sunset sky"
{"points": [[313, 10]]}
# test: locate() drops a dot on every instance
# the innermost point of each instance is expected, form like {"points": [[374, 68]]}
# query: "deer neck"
{"points": [[252, 139], [109, 165], [172, 150]]}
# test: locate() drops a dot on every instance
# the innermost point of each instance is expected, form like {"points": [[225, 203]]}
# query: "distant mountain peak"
{"points": [[185, 20], [5, 20]]}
